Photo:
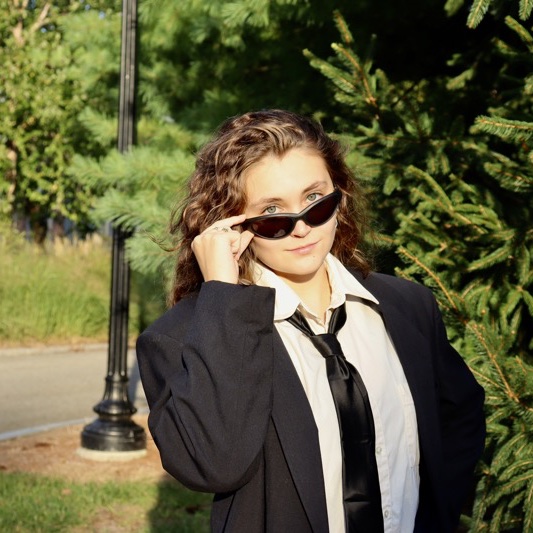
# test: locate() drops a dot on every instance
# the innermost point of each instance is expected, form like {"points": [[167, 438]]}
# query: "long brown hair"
{"points": [[216, 189]]}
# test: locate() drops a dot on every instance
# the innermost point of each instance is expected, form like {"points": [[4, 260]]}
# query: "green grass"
{"points": [[61, 293], [31, 503]]}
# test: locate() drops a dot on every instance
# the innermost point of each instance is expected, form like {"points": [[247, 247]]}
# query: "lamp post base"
{"points": [[95, 455], [113, 435]]}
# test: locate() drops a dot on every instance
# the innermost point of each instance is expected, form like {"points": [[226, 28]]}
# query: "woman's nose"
{"points": [[301, 229]]}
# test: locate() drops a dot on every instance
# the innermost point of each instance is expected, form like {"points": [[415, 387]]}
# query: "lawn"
{"points": [[33, 503]]}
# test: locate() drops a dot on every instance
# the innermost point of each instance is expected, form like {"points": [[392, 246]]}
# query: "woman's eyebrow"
{"points": [[276, 199], [265, 201], [315, 185]]}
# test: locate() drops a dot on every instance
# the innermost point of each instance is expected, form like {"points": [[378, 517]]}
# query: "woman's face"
{"points": [[289, 184]]}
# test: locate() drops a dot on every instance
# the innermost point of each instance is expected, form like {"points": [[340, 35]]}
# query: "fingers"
{"points": [[223, 228], [219, 247], [245, 240], [226, 224]]}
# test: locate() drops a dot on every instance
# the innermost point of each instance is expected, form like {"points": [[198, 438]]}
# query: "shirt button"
{"points": [[378, 450], [386, 513]]}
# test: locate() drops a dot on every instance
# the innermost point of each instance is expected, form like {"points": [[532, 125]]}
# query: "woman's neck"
{"points": [[314, 292]]}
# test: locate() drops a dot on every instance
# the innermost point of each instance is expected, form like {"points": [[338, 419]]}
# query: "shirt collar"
{"points": [[343, 284]]}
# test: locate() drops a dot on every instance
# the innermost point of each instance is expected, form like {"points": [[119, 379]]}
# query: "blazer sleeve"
{"points": [[462, 419], [206, 368]]}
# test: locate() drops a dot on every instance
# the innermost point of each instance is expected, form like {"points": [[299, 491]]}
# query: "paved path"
{"points": [[52, 386]]}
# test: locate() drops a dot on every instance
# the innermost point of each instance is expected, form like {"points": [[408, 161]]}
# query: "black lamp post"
{"points": [[113, 430]]}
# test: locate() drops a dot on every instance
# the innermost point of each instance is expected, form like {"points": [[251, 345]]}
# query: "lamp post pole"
{"points": [[113, 430]]}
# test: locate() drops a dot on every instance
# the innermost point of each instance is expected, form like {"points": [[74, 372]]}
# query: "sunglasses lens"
{"points": [[279, 226], [322, 211], [273, 228]]}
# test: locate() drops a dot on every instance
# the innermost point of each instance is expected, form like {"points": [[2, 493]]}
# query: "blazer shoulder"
{"points": [[248, 303], [404, 297], [386, 285], [177, 316]]}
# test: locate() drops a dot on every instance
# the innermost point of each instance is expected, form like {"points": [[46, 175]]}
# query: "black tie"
{"points": [[362, 497]]}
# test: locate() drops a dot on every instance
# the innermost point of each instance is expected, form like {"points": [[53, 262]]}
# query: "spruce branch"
{"points": [[339, 77], [460, 81], [497, 256], [361, 74], [431, 274], [528, 508], [479, 509], [481, 333], [524, 35], [508, 178], [149, 254], [514, 297], [525, 8], [518, 482], [528, 299], [343, 28], [478, 10], [512, 130], [453, 6], [443, 201], [141, 211], [523, 265]]}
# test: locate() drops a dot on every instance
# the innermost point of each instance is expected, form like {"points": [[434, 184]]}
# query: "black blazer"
{"points": [[229, 415]]}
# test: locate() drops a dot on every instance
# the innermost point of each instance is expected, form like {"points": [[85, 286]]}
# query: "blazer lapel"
{"points": [[413, 349], [298, 435]]}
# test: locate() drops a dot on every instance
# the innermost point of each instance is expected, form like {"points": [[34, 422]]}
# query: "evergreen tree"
{"points": [[454, 195]]}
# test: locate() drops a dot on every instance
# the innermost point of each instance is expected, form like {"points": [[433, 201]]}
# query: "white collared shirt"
{"points": [[366, 344]]}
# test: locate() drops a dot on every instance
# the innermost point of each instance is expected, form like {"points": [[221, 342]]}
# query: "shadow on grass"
{"points": [[179, 510]]}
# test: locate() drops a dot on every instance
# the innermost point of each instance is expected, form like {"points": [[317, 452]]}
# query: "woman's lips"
{"points": [[303, 249]]}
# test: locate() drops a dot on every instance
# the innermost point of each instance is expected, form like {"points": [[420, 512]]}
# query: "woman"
{"points": [[243, 398]]}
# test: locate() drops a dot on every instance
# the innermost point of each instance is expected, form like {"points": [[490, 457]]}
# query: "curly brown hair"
{"points": [[216, 189]]}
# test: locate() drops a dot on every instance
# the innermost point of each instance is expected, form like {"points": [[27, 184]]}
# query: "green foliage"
{"points": [[204, 61], [39, 104], [61, 294], [35, 503], [479, 9], [453, 192], [150, 184]]}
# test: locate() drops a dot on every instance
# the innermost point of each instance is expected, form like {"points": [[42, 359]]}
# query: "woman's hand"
{"points": [[218, 249]]}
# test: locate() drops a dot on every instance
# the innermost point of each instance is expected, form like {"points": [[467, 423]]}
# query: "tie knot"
{"points": [[327, 344]]}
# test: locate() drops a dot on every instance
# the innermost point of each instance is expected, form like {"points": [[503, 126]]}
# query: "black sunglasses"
{"points": [[278, 226]]}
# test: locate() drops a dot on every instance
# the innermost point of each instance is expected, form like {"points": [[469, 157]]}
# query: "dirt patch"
{"points": [[54, 453]]}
